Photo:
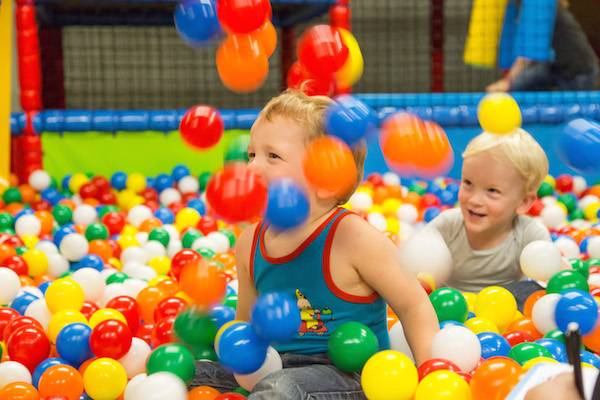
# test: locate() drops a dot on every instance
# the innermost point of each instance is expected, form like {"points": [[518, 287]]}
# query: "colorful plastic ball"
{"points": [[196, 22], [160, 385], [567, 280], [352, 69], [174, 358], [29, 346], [578, 143], [9, 285], [275, 317], [110, 338], [351, 345], [577, 306], [237, 340], [12, 371], [540, 260], [18, 391], [272, 364], [165, 215], [43, 366], [524, 352], [495, 378], [237, 193], [61, 380], [389, 375], [436, 364], [444, 383], [74, 246], [221, 314], [20, 303], [449, 304], [40, 180], [104, 314], [493, 344], [299, 78], [287, 204], [205, 284], [496, 304], [350, 119], [322, 50], [72, 343], [64, 294], [243, 16], [192, 326], [104, 379], [242, 63], [28, 225], [499, 113], [457, 344], [557, 349], [329, 165], [201, 127]]}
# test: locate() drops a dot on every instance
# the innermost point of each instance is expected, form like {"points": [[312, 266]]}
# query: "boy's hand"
{"points": [[503, 85], [560, 387]]}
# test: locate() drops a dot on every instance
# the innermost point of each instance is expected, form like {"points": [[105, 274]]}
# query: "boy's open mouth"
{"points": [[474, 214]]}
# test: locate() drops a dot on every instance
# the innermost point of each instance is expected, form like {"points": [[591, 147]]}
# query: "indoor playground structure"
{"points": [[123, 190]]}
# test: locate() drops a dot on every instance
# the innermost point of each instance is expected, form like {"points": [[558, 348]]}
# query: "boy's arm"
{"points": [[246, 292], [374, 257]]}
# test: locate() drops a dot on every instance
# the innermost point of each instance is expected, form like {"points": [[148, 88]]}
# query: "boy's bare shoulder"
{"points": [[243, 243], [355, 233]]}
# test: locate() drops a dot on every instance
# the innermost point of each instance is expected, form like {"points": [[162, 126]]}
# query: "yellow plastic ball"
{"points": [[187, 217], [30, 240], [184, 296], [353, 68], [376, 208], [124, 197], [499, 113], [536, 360], [390, 206], [550, 179], [104, 379], [162, 265], [479, 325], [134, 201], [129, 230], [591, 212], [389, 374], [77, 181], [154, 281], [443, 384], [365, 189], [127, 241], [106, 313], [427, 277], [496, 304], [115, 262], [393, 225], [136, 182], [518, 315], [221, 224], [62, 319], [470, 298], [37, 262], [64, 294]]}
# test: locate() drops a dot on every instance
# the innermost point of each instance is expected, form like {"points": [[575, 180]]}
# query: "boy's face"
{"points": [[276, 150], [491, 194]]}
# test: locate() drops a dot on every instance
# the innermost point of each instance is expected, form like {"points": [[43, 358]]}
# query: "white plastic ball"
{"points": [[107, 273], [168, 196], [138, 214], [587, 200], [38, 310], [407, 213], [457, 344], [220, 240], [594, 279], [112, 290], [398, 340], [579, 184], [540, 260], [134, 286], [159, 386], [554, 216], [173, 247], [74, 246], [427, 252], [544, 311], [188, 184], [549, 200], [28, 224], [153, 249], [132, 385], [12, 371], [272, 363], [84, 214], [9, 285], [141, 237], [76, 198], [172, 231], [91, 282], [593, 247], [31, 290], [133, 253], [567, 246], [204, 242], [39, 180], [391, 178], [378, 220], [361, 201], [234, 285], [581, 224], [58, 265], [134, 361], [47, 247]]}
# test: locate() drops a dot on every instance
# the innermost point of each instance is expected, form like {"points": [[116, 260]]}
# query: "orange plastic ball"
{"points": [[101, 248], [6, 251], [27, 193], [530, 302], [148, 298], [150, 224], [266, 36], [61, 380], [205, 284], [242, 63], [46, 219], [525, 324], [19, 391], [203, 393]]}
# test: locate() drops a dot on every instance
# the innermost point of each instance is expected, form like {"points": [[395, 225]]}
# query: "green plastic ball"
{"points": [[417, 188], [11, 195], [449, 305], [230, 235], [569, 201], [189, 237], [231, 301], [237, 149], [117, 277], [21, 249], [96, 230], [566, 280], [545, 189], [194, 327], [106, 209], [580, 266], [202, 352], [203, 180], [577, 214], [7, 221], [351, 345], [160, 235], [62, 214], [206, 253], [524, 352], [174, 358]]}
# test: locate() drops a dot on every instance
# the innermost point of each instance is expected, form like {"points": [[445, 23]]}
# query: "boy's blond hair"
{"points": [[521, 150], [309, 113]]}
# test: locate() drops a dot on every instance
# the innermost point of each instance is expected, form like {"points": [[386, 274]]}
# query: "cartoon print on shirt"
{"points": [[313, 320]]}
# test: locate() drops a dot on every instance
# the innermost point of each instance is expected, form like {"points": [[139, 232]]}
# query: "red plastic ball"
{"points": [[161, 333], [207, 224], [110, 338], [201, 127], [237, 193], [516, 337], [322, 50], [16, 323], [299, 78], [243, 16], [564, 183], [88, 309], [107, 198], [88, 191], [130, 309], [169, 307], [181, 259], [7, 314], [16, 263], [28, 345], [101, 183], [144, 332], [436, 364], [114, 222]]}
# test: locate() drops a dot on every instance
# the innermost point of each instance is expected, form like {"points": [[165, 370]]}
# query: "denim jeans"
{"points": [[540, 76], [302, 378]]}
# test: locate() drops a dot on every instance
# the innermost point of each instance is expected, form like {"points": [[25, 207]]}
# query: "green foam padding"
{"points": [[149, 153]]}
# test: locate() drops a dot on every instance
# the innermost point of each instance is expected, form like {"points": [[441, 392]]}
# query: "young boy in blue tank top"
{"points": [[337, 266]]}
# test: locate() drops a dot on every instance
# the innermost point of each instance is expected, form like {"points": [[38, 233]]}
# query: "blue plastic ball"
{"points": [[197, 205], [89, 261], [24, 211], [287, 204], [64, 183], [179, 171], [220, 314], [578, 145], [43, 366], [149, 182], [430, 213], [44, 285], [590, 358], [350, 119], [73, 343], [197, 22], [165, 215], [23, 301], [275, 317], [240, 349], [61, 233], [118, 180], [577, 306], [557, 349], [162, 182], [493, 344], [447, 323]]}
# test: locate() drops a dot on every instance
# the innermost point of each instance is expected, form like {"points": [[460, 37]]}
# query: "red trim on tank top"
{"points": [[300, 249], [253, 252], [327, 270]]}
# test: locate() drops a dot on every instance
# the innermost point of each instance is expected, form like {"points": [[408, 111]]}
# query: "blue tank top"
{"points": [[305, 275]]}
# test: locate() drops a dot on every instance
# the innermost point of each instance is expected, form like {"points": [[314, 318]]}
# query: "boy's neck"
{"points": [[490, 238]]}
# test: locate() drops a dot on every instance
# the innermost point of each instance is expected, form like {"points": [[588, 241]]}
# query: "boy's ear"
{"points": [[526, 203], [325, 194]]}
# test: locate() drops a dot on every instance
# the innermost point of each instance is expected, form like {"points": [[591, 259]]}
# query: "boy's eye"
{"points": [[273, 155], [494, 191], [466, 182], [250, 155]]}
